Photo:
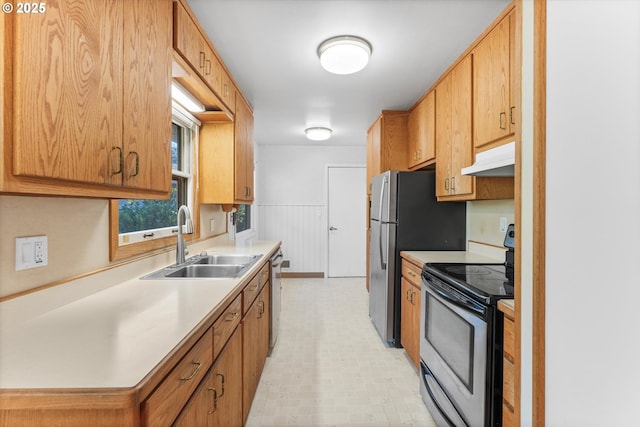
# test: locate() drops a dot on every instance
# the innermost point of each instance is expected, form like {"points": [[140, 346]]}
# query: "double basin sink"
{"points": [[206, 266]]}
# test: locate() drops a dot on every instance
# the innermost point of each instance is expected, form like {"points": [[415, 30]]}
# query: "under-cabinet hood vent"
{"points": [[497, 161]]}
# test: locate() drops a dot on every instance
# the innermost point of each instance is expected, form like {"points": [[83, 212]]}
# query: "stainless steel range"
{"points": [[461, 341]]}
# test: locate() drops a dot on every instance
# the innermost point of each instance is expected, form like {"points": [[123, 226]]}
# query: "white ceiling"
{"points": [[270, 48]]}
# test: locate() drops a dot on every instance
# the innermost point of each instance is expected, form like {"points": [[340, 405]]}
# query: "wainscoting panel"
{"points": [[302, 230]]}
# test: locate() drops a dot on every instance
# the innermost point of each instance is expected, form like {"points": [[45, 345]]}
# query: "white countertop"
{"points": [[106, 334], [422, 257]]}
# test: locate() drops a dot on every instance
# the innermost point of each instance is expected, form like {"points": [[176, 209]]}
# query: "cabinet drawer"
{"points": [[412, 273], [509, 340], [226, 324], [264, 274], [508, 390], [163, 406], [250, 293]]}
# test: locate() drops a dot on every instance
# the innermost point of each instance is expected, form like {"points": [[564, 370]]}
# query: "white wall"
{"points": [[593, 213], [291, 198]]}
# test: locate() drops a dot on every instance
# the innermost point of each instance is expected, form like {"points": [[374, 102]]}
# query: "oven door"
{"points": [[453, 348]]}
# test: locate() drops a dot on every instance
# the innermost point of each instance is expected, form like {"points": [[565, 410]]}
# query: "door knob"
{"points": [[332, 228]]}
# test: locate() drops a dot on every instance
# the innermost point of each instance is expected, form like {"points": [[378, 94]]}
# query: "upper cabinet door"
{"points": [[147, 96], [494, 106], [67, 92], [90, 86], [422, 132]]}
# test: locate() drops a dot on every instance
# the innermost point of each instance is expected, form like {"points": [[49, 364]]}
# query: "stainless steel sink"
{"points": [[207, 271], [206, 266], [227, 259]]}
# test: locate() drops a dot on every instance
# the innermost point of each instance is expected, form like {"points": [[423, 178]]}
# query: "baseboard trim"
{"points": [[293, 275]]}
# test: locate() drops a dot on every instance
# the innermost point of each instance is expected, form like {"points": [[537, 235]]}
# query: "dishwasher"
{"points": [[276, 296]]}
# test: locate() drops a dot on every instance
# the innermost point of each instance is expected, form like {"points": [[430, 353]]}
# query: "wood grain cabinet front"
{"points": [[410, 310], [87, 99], [508, 367], [454, 148], [218, 400], [163, 406], [255, 327], [494, 86], [422, 133], [226, 159], [191, 43], [387, 144]]}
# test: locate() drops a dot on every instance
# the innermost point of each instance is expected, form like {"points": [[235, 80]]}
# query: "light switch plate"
{"points": [[31, 252]]}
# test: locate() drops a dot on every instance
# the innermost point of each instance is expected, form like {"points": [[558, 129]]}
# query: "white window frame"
{"points": [[190, 126]]}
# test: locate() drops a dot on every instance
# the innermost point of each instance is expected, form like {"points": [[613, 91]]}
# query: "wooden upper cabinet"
{"points": [[147, 96], [387, 144], [493, 85], [243, 152], [453, 132], [422, 133], [454, 148], [191, 43], [68, 96], [87, 86], [226, 159]]}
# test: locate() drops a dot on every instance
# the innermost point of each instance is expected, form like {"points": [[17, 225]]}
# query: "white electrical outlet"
{"points": [[503, 224], [212, 225], [31, 252]]}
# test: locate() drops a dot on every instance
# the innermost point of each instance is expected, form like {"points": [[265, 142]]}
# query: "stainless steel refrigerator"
{"points": [[405, 216]]}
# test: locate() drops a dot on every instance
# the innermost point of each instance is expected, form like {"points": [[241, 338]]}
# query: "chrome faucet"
{"points": [[181, 247]]}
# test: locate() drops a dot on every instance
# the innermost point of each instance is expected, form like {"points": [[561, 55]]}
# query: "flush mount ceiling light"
{"points": [[318, 133], [184, 98], [344, 54]]}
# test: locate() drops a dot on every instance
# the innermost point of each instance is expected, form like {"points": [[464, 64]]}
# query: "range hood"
{"points": [[497, 161]]}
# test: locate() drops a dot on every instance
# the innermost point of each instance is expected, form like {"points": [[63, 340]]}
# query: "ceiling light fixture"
{"points": [[344, 54], [318, 133], [184, 98]]}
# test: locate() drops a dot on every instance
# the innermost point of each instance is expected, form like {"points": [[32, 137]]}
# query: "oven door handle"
{"points": [[454, 299], [428, 375]]}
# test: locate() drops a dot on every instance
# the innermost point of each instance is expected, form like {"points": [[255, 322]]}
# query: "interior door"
{"points": [[346, 221]]}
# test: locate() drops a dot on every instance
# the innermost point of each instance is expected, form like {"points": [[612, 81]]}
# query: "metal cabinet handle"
{"points": [[137, 170], [511, 115], [453, 183], [195, 371], [120, 160], [446, 184], [221, 383], [261, 309], [503, 115], [231, 316], [208, 67], [215, 400], [202, 59]]}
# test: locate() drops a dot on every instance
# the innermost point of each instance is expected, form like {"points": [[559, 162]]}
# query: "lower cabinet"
{"points": [[214, 384], [410, 311], [255, 326], [218, 400], [508, 368]]}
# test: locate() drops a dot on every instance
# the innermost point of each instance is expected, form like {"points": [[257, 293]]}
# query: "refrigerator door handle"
{"points": [[383, 264]]}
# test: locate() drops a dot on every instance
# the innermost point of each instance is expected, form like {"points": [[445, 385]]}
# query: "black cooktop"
{"points": [[487, 282]]}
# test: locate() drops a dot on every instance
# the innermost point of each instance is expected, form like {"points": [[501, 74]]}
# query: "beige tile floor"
{"points": [[330, 368]]}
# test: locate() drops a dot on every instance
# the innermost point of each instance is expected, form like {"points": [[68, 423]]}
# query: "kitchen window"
{"points": [[143, 225], [243, 218]]}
